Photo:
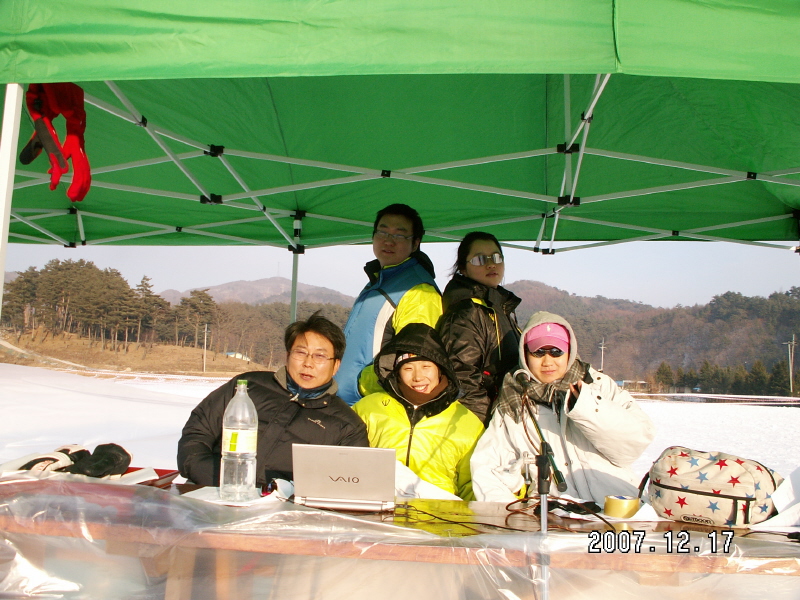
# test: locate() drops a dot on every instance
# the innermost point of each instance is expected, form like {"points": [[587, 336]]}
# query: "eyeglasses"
{"points": [[554, 352], [481, 259], [317, 357], [395, 237]]}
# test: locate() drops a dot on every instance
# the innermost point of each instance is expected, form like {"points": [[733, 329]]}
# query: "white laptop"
{"points": [[344, 477]]}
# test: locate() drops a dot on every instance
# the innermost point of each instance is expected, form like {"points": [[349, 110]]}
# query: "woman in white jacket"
{"points": [[595, 429]]}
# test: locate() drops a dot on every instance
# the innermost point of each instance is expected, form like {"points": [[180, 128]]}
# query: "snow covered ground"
{"points": [[42, 409]]}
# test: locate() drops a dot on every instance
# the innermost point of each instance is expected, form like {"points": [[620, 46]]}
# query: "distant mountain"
{"points": [[537, 296], [265, 291], [10, 276]]}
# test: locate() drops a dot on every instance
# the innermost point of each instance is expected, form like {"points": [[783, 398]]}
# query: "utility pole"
{"points": [[602, 354], [790, 347], [205, 338]]}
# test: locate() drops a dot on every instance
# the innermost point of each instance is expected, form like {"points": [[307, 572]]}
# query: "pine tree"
{"points": [[199, 308], [664, 376], [779, 379], [758, 379], [739, 381]]}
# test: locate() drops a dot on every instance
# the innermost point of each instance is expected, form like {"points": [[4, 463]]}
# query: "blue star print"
{"points": [[694, 461], [702, 476], [713, 506]]}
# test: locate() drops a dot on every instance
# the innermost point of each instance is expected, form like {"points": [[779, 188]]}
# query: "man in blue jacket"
{"points": [[401, 290]]}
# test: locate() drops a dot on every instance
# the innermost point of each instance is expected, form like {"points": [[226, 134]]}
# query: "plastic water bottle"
{"points": [[237, 479]]}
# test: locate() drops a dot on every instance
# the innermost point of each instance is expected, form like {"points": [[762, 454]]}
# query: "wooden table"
{"points": [[166, 533]]}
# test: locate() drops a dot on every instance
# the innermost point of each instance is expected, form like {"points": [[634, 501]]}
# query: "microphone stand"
{"points": [[542, 461], [543, 489]]}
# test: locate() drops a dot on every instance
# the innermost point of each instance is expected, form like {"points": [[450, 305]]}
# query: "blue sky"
{"points": [[658, 273]]}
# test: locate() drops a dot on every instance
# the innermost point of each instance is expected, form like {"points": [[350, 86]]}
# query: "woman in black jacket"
{"points": [[479, 328]]}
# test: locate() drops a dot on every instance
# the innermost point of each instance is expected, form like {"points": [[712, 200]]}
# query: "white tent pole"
{"points": [[793, 171], [39, 228], [665, 163], [479, 161], [580, 161], [538, 243], [297, 249], [8, 154], [662, 188], [164, 148], [471, 186], [81, 230], [553, 233], [598, 90], [257, 202], [293, 307], [778, 181], [32, 238]]}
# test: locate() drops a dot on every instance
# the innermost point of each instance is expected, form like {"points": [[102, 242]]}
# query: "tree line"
{"points": [[731, 345], [77, 297], [738, 380], [731, 330]]}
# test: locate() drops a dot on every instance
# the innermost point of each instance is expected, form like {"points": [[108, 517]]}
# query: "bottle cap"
{"points": [[241, 382]]}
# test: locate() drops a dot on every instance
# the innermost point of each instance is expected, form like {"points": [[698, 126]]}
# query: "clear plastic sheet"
{"points": [[74, 538]]}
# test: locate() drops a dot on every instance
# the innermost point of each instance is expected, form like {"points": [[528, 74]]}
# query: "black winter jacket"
{"points": [[481, 337], [282, 420]]}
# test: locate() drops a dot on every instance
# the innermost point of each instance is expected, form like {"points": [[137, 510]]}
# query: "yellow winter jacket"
{"points": [[438, 447]]}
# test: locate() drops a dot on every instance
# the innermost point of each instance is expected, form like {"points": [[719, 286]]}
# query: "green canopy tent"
{"points": [[290, 124]]}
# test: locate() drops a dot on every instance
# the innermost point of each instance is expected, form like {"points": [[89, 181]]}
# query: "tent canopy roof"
{"points": [[336, 109], [94, 40]]}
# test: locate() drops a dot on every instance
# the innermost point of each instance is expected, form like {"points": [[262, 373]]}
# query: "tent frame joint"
{"points": [[211, 199], [142, 122], [586, 119], [214, 151], [386, 173], [569, 201], [562, 148], [752, 175]]}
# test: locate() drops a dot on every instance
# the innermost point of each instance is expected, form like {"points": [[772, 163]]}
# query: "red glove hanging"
{"points": [[45, 102]]}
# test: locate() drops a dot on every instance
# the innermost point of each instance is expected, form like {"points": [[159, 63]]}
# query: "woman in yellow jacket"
{"points": [[418, 413]]}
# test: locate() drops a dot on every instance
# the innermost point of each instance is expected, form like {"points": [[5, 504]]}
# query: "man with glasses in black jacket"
{"points": [[296, 404]]}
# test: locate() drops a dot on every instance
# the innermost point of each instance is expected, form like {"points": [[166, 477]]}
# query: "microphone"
{"points": [[558, 477]]}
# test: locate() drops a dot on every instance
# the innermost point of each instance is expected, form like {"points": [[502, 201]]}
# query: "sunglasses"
{"points": [[481, 259], [554, 352]]}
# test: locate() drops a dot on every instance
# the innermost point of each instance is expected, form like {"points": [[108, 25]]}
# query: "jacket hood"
{"points": [[461, 288], [422, 340], [546, 317], [373, 267]]}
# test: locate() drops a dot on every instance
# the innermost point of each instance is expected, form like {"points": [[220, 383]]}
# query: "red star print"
{"points": [[668, 512], [734, 481], [721, 464], [739, 461], [673, 471], [744, 508], [716, 491], [758, 468], [658, 481], [683, 455], [681, 501]]}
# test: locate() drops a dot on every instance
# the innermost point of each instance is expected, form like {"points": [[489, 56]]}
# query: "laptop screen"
{"points": [[344, 476]]}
